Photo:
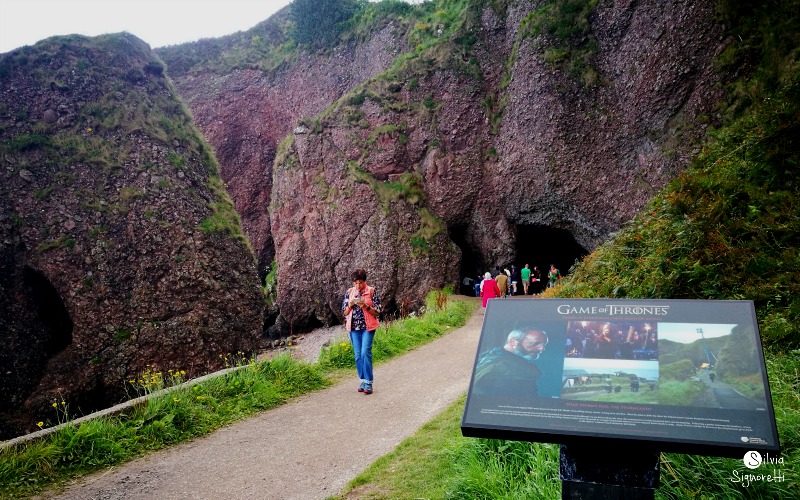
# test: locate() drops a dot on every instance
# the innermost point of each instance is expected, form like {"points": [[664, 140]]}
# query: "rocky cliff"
{"points": [[245, 111], [119, 248], [497, 126]]}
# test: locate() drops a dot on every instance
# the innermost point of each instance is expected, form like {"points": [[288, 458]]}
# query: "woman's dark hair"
{"points": [[359, 274]]}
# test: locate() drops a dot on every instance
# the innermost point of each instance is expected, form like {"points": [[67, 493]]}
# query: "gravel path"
{"points": [[307, 449]]}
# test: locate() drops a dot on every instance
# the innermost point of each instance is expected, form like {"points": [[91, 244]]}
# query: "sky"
{"points": [[157, 22], [686, 333]]}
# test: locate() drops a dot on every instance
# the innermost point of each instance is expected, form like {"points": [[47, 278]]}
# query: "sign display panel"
{"points": [[666, 375]]}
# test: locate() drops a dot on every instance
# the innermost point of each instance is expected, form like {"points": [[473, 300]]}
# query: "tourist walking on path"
{"points": [[361, 308], [526, 278], [489, 288], [553, 276], [536, 278], [514, 279], [502, 283]]}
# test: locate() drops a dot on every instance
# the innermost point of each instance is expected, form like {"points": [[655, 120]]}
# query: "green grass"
{"points": [[437, 462], [672, 392], [192, 410]]}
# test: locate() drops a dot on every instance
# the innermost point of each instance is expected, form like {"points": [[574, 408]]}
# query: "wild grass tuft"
{"points": [[566, 24]]}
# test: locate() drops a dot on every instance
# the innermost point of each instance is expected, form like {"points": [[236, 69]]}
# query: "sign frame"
{"points": [[590, 416]]}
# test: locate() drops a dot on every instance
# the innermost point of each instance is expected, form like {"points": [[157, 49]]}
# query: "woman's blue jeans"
{"points": [[362, 348]]}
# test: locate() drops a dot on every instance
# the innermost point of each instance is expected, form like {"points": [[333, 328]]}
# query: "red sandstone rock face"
{"points": [[496, 137], [328, 222], [245, 114], [594, 158], [104, 267]]}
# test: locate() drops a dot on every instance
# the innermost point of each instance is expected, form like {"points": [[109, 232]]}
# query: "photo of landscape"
{"points": [[610, 380], [710, 365]]}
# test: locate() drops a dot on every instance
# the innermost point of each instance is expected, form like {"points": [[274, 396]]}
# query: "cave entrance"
{"points": [[51, 312], [472, 263], [541, 246]]}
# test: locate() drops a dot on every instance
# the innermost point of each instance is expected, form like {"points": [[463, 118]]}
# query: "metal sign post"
{"points": [[589, 474]]}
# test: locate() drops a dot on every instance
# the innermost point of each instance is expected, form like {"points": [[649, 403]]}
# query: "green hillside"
{"points": [[304, 26]]}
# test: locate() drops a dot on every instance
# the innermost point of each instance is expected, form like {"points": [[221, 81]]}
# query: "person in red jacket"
{"points": [[489, 288], [361, 308]]}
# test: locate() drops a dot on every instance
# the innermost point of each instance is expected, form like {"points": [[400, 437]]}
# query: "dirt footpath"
{"points": [[307, 449]]}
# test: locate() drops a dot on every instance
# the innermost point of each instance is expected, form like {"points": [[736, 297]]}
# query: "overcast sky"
{"points": [[686, 333], [157, 22]]}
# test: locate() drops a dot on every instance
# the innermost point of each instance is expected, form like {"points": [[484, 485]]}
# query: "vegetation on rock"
{"points": [[318, 23]]}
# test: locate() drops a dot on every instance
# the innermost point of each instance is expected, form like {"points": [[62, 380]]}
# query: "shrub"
{"points": [[318, 23]]}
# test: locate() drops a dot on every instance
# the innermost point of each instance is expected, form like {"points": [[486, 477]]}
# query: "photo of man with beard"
{"points": [[511, 370]]}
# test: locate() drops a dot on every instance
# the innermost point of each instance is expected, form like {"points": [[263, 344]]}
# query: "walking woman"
{"points": [[361, 308], [489, 288]]}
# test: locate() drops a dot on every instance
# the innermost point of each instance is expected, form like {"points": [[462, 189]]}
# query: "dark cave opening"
{"points": [[51, 311], [541, 246], [536, 245], [472, 262]]}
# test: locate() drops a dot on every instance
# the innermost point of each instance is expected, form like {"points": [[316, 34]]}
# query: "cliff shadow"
{"points": [[50, 310], [472, 262], [36, 327]]}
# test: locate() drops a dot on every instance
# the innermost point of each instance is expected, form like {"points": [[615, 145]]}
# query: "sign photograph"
{"points": [[666, 375]]}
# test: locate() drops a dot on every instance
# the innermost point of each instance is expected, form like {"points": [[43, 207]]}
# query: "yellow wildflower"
{"points": [[40, 424], [55, 405]]}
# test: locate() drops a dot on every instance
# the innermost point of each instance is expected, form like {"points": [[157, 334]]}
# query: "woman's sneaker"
{"points": [[367, 388], [361, 387]]}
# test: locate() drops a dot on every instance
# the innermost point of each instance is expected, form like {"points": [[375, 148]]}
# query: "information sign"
{"points": [[684, 376]]}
